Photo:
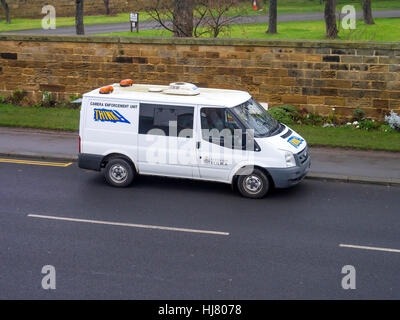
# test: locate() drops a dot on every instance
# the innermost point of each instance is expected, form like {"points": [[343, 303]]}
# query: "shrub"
{"points": [[280, 114], [65, 104], [47, 100], [368, 125], [393, 120], [16, 97], [294, 113], [358, 114], [332, 119], [313, 119], [385, 128]]}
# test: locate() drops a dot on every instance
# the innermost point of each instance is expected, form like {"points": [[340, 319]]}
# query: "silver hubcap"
{"points": [[253, 184], [118, 173]]}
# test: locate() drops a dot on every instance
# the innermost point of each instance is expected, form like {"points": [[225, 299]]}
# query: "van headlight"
{"points": [[289, 158]]}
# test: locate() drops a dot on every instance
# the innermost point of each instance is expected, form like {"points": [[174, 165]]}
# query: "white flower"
{"points": [[333, 109], [355, 123], [393, 120], [348, 124]]}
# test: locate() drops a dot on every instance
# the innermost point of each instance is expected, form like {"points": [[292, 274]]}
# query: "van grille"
{"points": [[303, 155]]}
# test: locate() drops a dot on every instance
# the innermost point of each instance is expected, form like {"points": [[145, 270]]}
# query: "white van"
{"points": [[188, 132]]}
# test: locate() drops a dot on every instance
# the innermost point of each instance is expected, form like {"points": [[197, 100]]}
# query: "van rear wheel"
{"points": [[254, 185], [119, 173]]}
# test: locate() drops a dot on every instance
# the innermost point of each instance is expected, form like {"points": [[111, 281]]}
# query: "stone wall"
{"points": [[315, 75], [33, 9]]}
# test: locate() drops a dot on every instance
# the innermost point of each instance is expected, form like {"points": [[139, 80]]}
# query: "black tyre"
{"points": [[253, 185], [119, 173]]}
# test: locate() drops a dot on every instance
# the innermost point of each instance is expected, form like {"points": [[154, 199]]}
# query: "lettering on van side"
{"points": [[295, 141], [112, 105], [106, 115], [215, 162]]}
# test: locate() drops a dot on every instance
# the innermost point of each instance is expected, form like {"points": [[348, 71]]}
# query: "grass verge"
{"points": [[37, 117], [244, 9], [68, 119], [349, 138], [307, 6], [384, 29], [26, 24]]}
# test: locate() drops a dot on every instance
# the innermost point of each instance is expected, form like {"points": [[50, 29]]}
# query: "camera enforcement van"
{"points": [[183, 131]]}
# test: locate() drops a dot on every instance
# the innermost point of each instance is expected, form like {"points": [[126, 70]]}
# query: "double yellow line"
{"points": [[37, 163]]}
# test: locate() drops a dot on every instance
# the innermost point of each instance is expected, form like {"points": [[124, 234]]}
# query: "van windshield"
{"points": [[253, 116]]}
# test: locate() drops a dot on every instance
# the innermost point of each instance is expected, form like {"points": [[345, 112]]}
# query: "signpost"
{"points": [[134, 21]]}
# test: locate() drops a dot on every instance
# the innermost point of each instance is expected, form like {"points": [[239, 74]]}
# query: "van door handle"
{"points": [[198, 144]]}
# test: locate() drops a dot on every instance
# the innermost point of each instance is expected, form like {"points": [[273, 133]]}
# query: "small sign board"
{"points": [[134, 21], [133, 17]]}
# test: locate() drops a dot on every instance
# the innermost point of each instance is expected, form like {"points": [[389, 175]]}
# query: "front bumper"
{"points": [[287, 177]]}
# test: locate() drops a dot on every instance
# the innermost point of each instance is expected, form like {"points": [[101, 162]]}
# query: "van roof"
{"points": [[145, 92]]}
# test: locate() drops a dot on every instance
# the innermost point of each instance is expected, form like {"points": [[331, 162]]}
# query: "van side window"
{"points": [[219, 126], [168, 120]]}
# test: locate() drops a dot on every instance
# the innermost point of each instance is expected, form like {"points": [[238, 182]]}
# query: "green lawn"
{"points": [[304, 6], [43, 118], [25, 24], [349, 137], [68, 119], [284, 6], [385, 29]]}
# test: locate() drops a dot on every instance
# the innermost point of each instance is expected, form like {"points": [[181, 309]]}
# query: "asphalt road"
{"points": [[58, 144], [148, 25], [284, 246]]}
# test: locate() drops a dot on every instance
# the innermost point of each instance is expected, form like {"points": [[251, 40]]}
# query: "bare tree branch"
{"points": [[187, 18]]}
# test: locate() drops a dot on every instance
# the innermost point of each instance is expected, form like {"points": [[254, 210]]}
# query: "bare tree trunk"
{"points": [[273, 17], [183, 18], [6, 9], [80, 28], [107, 5], [367, 12], [330, 19]]}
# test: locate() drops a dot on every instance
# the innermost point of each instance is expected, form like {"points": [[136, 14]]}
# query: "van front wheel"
{"points": [[119, 173], [254, 185]]}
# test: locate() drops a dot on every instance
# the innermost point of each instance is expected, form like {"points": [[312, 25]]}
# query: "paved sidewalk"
{"points": [[38, 143], [149, 25], [377, 167]]}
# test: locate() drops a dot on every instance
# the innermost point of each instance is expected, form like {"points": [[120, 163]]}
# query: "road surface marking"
{"points": [[129, 225], [37, 163], [369, 248]]}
